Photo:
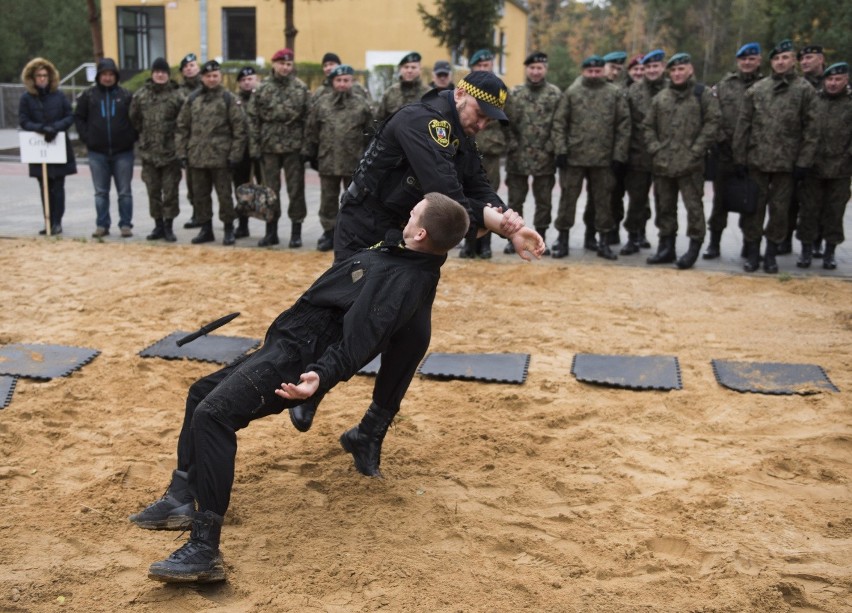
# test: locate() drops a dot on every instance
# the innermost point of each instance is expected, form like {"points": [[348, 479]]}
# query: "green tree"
{"points": [[463, 25], [824, 22]]}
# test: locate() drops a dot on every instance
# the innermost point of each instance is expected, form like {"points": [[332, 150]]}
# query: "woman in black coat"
{"points": [[46, 110]]}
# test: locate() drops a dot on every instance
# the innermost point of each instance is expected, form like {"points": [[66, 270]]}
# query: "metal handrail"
{"points": [[71, 75]]}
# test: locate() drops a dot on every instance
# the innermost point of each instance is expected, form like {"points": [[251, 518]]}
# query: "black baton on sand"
{"points": [[206, 329]]}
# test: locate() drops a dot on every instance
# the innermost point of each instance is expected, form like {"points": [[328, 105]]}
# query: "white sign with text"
{"points": [[36, 150]]}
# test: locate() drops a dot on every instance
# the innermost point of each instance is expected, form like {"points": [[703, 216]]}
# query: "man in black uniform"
{"points": [[318, 342], [425, 147]]}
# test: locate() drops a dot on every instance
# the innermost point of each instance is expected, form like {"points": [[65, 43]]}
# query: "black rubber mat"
{"points": [[646, 372], [492, 367], [772, 377], [210, 348], [7, 388], [43, 361], [372, 368]]}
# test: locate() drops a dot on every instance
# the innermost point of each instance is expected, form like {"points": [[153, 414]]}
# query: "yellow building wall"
{"points": [[349, 28]]}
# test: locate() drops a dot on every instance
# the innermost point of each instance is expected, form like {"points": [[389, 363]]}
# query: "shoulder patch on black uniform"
{"points": [[439, 130]]}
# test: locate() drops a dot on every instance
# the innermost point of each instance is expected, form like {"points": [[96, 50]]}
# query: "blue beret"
{"points": [[409, 57], [783, 47], [481, 55], [615, 57], [657, 55], [342, 69], [593, 61], [838, 68], [679, 58], [749, 49]]}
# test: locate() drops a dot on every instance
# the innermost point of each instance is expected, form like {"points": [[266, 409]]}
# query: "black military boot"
{"points": [[157, 233], [542, 232], [603, 247], [613, 237], [205, 235], [666, 253], [242, 230], [468, 249], [171, 512], [713, 249], [229, 238], [302, 416], [589, 240], [828, 261], [326, 241], [632, 244], [168, 231], [806, 257], [560, 247], [271, 236], [687, 260], [364, 441], [191, 224], [751, 250], [296, 235], [817, 253], [199, 560], [483, 246], [770, 264]]}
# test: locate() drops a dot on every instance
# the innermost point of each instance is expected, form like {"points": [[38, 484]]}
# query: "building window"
{"points": [[239, 34], [141, 36]]}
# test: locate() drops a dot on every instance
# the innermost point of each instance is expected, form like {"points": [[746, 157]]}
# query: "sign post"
{"points": [[36, 150]]}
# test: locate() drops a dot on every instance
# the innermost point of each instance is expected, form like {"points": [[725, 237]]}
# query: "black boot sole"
{"points": [[212, 574]]}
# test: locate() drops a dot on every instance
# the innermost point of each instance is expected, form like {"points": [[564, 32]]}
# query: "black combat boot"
{"points": [[468, 249], [817, 254], [171, 512], [770, 264], [302, 416], [828, 261], [364, 441], [632, 244], [603, 246], [271, 236], [199, 560], [613, 237], [687, 260], [326, 241], [666, 253], [560, 247], [168, 231], [542, 232], [205, 235], [713, 249], [296, 235], [229, 238], [806, 257], [157, 233], [483, 246], [752, 255], [191, 224], [589, 240], [242, 230]]}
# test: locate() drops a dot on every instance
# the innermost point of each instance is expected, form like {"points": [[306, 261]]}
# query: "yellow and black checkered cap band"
{"points": [[480, 94]]}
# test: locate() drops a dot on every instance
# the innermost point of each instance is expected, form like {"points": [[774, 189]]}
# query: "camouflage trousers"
{"points": [[823, 207], [638, 183], [491, 164], [599, 180], [691, 189], [294, 175], [330, 199], [162, 184], [204, 181], [542, 188], [775, 193], [719, 215]]}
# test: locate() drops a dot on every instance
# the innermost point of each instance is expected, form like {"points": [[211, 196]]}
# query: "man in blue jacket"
{"points": [[103, 123]]}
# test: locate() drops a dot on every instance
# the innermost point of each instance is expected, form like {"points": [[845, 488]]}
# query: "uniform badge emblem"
{"points": [[439, 130]]}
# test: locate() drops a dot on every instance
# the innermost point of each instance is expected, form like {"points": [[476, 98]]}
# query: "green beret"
{"points": [[342, 69], [615, 57], [838, 68], [679, 58], [593, 61], [809, 49], [482, 55], [783, 47]]}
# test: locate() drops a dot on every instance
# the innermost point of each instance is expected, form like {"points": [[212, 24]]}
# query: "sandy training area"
{"points": [[550, 496]]}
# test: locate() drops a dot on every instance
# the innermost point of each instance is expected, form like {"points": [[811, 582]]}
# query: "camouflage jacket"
{"points": [[639, 96], [338, 129], [530, 110], [834, 152], [398, 95], [492, 140], [211, 130], [777, 127], [730, 92], [189, 85], [679, 128], [153, 113], [277, 114], [592, 124]]}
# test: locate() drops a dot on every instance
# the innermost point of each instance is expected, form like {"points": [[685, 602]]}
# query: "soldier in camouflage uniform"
{"points": [[190, 81], [408, 89], [682, 123], [153, 113], [825, 190], [775, 141], [591, 135], [615, 73], [338, 129], [730, 92], [211, 136], [277, 113], [330, 61], [247, 82], [638, 178], [530, 110]]}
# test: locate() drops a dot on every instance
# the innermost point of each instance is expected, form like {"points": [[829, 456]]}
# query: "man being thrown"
{"points": [[309, 348]]}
